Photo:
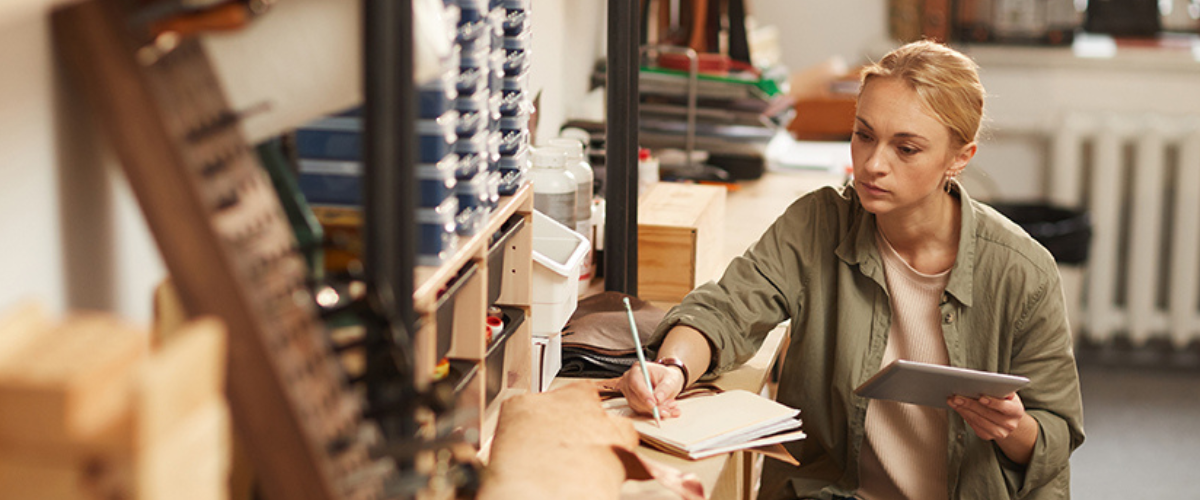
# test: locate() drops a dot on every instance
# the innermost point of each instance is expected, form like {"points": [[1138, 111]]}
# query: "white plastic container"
{"points": [[558, 252], [547, 361], [553, 185], [578, 166]]}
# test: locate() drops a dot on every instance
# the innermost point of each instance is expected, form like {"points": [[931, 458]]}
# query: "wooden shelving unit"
{"points": [[468, 345]]}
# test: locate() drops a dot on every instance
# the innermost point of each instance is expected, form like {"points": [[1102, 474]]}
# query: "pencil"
{"points": [[637, 346]]}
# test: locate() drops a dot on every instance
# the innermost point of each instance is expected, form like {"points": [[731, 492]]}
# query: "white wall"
{"points": [[72, 236], [812, 31], [568, 37], [30, 252]]}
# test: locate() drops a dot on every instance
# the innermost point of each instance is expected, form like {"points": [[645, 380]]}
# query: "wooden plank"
{"points": [[26, 477], [69, 386], [185, 376], [19, 327], [470, 314], [192, 460], [517, 274]]}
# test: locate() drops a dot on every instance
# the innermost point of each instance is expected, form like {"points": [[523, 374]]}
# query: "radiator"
{"points": [[1139, 176]]}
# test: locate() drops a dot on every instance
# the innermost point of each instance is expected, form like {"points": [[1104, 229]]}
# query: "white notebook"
{"points": [[718, 423]]}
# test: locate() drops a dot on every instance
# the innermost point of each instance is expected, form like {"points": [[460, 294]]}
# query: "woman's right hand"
{"points": [[668, 382]]}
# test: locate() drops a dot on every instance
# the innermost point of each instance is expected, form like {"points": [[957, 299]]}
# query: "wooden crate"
{"points": [[681, 229], [88, 412]]}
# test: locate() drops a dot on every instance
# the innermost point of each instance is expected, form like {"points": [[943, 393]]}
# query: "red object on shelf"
{"points": [[716, 64]]}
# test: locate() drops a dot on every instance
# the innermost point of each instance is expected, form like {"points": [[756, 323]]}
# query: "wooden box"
{"points": [[824, 118], [681, 233]]}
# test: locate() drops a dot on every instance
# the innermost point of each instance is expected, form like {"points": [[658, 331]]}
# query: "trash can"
{"points": [[1066, 233]]}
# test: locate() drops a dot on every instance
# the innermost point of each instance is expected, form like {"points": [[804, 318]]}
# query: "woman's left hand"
{"points": [[1002, 420]]}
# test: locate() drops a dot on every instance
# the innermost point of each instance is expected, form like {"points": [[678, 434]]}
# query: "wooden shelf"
{"points": [[430, 279]]}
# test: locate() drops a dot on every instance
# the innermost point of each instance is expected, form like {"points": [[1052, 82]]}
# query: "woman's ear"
{"points": [[960, 161]]}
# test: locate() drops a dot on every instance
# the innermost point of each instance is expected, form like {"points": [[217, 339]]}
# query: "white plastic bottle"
{"points": [[579, 167], [647, 171], [553, 186]]}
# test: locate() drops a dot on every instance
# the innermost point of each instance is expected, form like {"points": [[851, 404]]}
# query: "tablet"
{"points": [[930, 385]]}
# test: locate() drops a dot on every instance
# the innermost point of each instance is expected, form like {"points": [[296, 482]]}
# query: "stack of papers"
{"points": [[718, 423]]}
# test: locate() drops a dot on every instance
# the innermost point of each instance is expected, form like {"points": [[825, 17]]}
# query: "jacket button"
{"points": [[949, 317], [945, 297]]}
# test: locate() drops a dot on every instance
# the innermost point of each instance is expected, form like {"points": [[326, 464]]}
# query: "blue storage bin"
{"points": [[436, 182], [331, 182], [514, 132], [516, 22], [473, 202], [513, 103], [511, 180], [435, 98], [472, 122], [472, 4], [477, 143], [496, 70], [516, 54], [474, 55], [496, 23], [472, 155], [471, 14], [493, 190], [513, 170], [435, 138], [477, 101], [516, 62], [435, 233], [331, 138], [473, 25], [472, 80], [470, 164]]}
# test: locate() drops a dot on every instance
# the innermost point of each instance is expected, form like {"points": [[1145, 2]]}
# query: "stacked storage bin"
{"points": [[330, 151], [512, 51], [476, 197]]}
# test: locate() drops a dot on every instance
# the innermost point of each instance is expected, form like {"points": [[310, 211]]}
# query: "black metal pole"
{"points": [[620, 236], [389, 228], [389, 119]]}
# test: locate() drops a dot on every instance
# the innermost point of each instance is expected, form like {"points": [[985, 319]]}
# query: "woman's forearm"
{"points": [[689, 346]]}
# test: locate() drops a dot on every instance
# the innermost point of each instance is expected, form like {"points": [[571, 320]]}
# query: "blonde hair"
{"points": [[946, 81]]}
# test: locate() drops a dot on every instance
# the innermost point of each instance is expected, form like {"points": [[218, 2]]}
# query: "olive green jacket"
{"points": [[818, 265]]}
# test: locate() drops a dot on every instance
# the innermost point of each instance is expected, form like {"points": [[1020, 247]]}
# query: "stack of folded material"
{"points": [[736, 114], [596, 339]]}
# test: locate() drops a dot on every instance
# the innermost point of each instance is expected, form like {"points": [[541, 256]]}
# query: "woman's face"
{"points": [[901, 153]]}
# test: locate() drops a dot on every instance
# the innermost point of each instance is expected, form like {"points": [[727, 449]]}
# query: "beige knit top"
{"points": [[904, 452]]}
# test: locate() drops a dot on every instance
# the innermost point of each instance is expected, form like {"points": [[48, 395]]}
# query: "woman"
{"points": [[901, 264]]}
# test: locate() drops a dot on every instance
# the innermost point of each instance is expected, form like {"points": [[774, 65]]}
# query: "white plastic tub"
{"points": [[558, 254]]}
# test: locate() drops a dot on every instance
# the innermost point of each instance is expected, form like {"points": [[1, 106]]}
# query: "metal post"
{"points": [[620, 237], [389, 230]]}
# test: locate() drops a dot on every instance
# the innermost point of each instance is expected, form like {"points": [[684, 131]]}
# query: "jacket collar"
{"points": [[859, 247]]}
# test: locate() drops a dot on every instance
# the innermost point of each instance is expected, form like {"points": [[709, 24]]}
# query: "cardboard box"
{"points": [[681, 233]]}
